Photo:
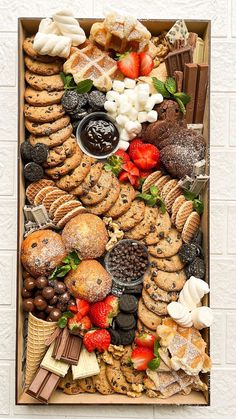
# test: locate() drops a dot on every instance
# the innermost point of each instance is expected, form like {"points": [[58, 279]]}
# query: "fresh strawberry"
{"points": [[140, 180], [133, 145], [131, 168], [113, 301], [78, 326], [128, 64], [140, 358], [146, 64], [144, 173], [98, 339], [82, 307], [145, 340], [101, 314], [73, 309], [123, 155], [146, 156], [125, 176]]}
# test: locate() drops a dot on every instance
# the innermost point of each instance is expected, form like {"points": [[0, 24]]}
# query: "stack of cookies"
{"points": [[60, 205]]}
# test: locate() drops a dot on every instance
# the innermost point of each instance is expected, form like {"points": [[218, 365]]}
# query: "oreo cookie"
{"points": [[115, 336], [26, 151], [126, 336], [33, 172], [196, 268], [96, 100], [128, 303], [188, 252], [40, 153], [69, 100], [125, 321], [197, 238]]}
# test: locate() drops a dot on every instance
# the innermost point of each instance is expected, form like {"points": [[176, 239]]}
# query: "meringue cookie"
{"points": [[202, 317], [69, 26], [193, 291], [53, 45], [179, 314], [47, 26]]}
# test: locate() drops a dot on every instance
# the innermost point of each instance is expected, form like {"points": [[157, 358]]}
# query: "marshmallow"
{"points": [[133, 114], [138, 127], [112, 95], [143, 87], [53, 45], [131, 95], [193, 291], [179, 314], [118, 86], [142, 96], [152, 116], [202, 317], [48, 26], [158, 98], [121, 120], [142, 117], [110, 106], [129, 83], [124, 107], [130, 126], [150, 103], [124, 135], [132, 135], [123, 145]]}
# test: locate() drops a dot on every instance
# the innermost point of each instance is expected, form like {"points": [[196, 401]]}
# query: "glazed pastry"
{"points": [[69, 26], [53, 45], [202, 317], [179, 314], [192, 292]]}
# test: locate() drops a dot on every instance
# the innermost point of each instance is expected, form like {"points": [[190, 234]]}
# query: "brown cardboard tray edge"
{"points": [[29, 25]]}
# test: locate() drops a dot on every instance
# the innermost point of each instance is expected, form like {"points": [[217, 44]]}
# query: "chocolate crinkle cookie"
{"points": [[168, 109]]}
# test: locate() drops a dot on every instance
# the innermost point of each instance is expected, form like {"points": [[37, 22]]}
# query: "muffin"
{"points": [[85, 233], [90, 281], [41, 252]]}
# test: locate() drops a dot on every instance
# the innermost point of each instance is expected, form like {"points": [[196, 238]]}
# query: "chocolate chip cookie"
{"points": [[29, 49], [144, 227], [68, 165], [116, 378], [48, 128], [49, 83], [160, 229], [43, 113], [123, 203], [100, 190], [43, 97], [70, 181], [147, 317], [109, 200], [44, 69], [171, 264], [169, 281], [133, 216], [158, 307], [90, 180], [101, 382], [155, 292], [52, 140], [168, 246], [132, 376], [58, 154]]}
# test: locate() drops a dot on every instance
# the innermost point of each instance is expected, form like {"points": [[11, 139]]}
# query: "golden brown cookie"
{"points": [[160, 229], [44, 69], [191, 226], [48, 128], [185, 210], [133, 216], [81, 170], [108, 201], [101, 382], [71, 214], [171, 197], [170, 264], [161, 182], [168, 187], [155, 292], [90, 180], [51, 197], [68, 165], [168, 246], [131, 375], [143, 329], [39, 197], [169, 281], [144, 227], [151, 180], [49, 83], [42, 98], [43, 114], [123, 203], [29, 49], [147, 317], [156, 306], [99, 191], [86, 385], [59, 201], [58, 154], [35, 187], [116, 378], [176, 206], [65, 208]]}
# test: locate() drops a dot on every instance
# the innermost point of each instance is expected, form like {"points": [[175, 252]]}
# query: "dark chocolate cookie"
{"points": [[40, 153], [196, 268], [128, 303], [115, 336], [33, 172], [26, 151], [126, 336], [125, 321], [188, 252]]}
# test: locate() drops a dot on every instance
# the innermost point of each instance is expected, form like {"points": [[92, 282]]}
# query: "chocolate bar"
{"points": [[190, 82], [52, 365], [43, 385], [198, 55], [178, 31], [201, 90], [67, 348], [192, 40], [178, 75], [176, 60], [199, 184]]}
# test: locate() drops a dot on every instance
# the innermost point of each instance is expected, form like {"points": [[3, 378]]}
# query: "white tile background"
{"points": [[223, 202]]}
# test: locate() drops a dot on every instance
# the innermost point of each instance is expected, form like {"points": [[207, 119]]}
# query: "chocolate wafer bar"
{"points": [[67, 348], [178, 75], [43, 385], [176, 60], [190, 82], [201, 90]]}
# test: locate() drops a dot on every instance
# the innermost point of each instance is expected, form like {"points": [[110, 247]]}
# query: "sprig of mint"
{"points": [[168, 91], [153, 198], [114, 164], [83, 86], [71, 261], [62, 322], [197, 203], [155, 362]]}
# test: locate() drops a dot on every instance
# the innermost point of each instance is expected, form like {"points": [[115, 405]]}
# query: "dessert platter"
{"points": [[112, 302]]}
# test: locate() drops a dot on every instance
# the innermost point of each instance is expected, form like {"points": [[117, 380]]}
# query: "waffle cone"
{"points": [[38, 331]]}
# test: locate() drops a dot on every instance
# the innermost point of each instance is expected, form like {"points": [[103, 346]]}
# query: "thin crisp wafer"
{"points": [[151, 180], [183, 213], [63, 209], [70, 215], [42, 194], [161, 182], [59, 201], [51, 197], [35, 187], [191, 226], [168, 187], [176, 206], [171, 197]]}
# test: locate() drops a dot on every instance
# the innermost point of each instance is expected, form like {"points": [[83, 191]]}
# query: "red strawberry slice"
{"points": [[146, 156], [101, 314], [113, 301], [145, 340], [123, 155], [78, 326], [140, 358], [82, 307], [128, 64], [131, 168], [133, 145], [146, 64], [99, 339]]}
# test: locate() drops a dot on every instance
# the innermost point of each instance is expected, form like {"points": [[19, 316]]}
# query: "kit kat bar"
{"points": [[43, 385], [190, 82], [178, 75], [176, 60], [201, 90], [67, 348]]}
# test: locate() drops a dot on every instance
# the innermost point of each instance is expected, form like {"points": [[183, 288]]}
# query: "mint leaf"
{"points": [[68, 314], [62, 322], [170, 85], [144, 196], [84, 86], [151, 201], [183, 97], [198, 206], [160, 87], [163, 207], [154, 363], [190, 196], [156, 346], [63, 77], [154, 190], [181, 105]]}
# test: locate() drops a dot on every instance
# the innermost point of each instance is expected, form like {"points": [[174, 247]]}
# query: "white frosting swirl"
{"points": [[69, 26], [179, 314], [193, 291], [53, 45], [48, 26], [202, 317]]}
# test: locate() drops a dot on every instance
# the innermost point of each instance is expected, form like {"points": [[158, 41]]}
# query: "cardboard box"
{"points": [[29, 26]]}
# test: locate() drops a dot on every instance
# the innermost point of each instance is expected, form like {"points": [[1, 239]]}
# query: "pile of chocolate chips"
{"points": [[128, 261]]}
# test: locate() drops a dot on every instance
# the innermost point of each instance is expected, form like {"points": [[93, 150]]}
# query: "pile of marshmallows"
{"points": [[131, 104], [186, 312]]}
